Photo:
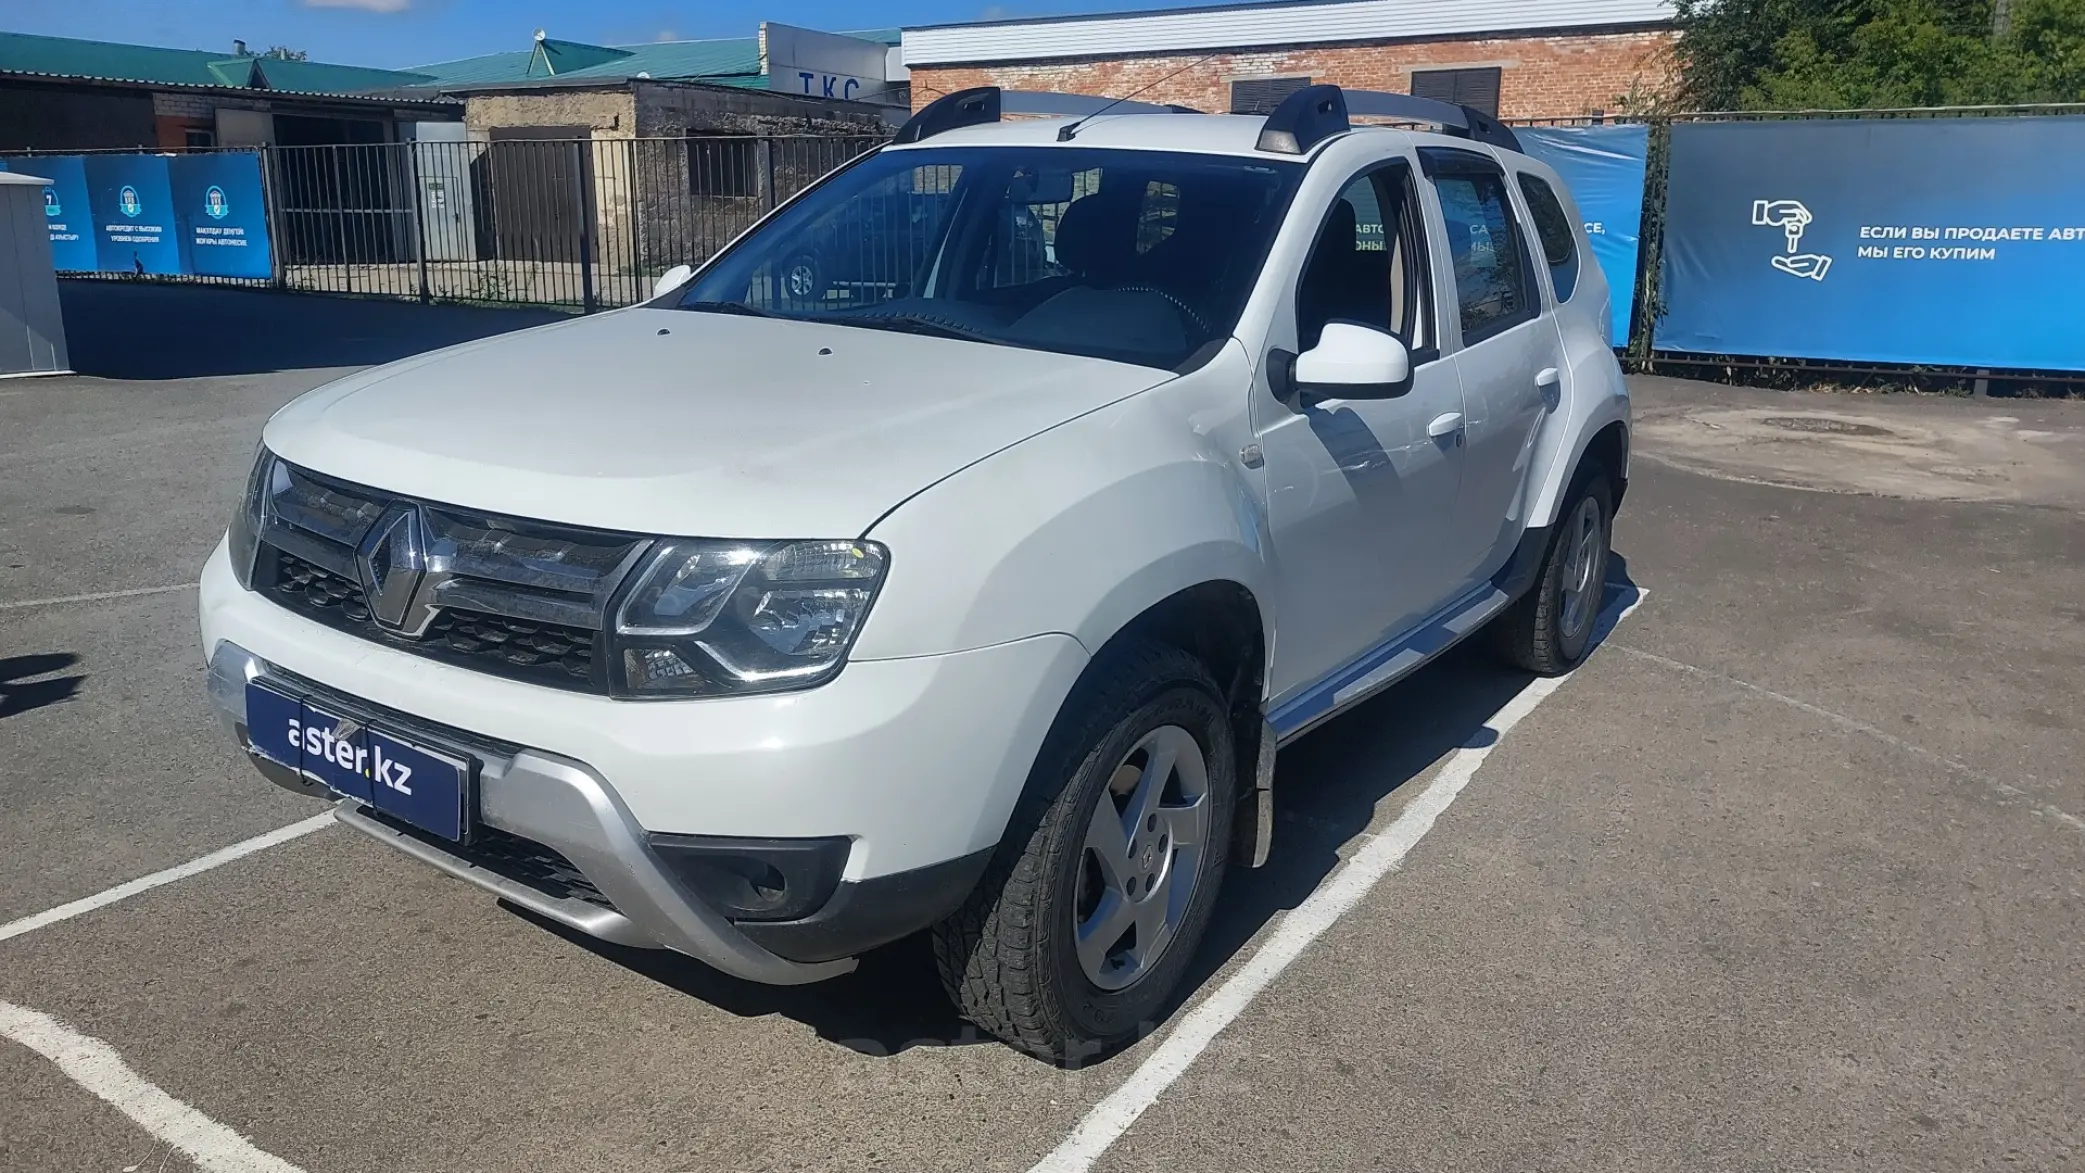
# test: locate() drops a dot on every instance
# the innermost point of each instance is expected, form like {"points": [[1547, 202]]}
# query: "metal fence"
{"points": [[593, 223], [578, 222], [585, 223]]}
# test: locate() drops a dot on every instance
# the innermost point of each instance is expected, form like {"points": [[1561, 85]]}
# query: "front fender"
{"points": [[1077, 530]]}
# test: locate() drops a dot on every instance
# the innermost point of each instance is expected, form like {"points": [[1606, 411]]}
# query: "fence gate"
{"points": [[534, 185]]}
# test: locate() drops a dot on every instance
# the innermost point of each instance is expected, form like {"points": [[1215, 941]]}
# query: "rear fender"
{"points": [[1596, 396]]}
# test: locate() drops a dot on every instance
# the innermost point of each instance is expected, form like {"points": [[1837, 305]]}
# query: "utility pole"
{"points": [[2001, 19]]}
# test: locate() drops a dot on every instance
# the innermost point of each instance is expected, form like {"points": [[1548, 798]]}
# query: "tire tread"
{"points": [[984, 950]]}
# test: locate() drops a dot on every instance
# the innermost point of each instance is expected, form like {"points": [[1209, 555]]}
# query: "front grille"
{"points": [[518, 644], [554, 654], [513, 598], [511, 857], [314, 588], [529, 862]]}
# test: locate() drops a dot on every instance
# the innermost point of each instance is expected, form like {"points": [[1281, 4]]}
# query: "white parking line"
{"points": [[125, 891], [96, 1066], [97, 596], [1852, 726], [1112, 1117]]}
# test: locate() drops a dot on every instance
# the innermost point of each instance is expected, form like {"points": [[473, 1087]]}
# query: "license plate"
{"points": [[350, 756]]}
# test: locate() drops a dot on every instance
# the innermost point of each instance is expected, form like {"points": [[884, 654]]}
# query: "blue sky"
{"points": [[396, 33]]}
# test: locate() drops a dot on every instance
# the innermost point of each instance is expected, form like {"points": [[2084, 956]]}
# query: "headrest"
{"points": [[1097, 235]]}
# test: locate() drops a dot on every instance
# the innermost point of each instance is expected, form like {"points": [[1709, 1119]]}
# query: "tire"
{"points": [[1012, 958], [1549, 630], [803, 283]]}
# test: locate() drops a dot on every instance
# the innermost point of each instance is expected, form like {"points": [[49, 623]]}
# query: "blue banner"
{"points": [[133, 205], [65, 209], [1942, 241], [223, 213], [192, 215], [1603, 166]]}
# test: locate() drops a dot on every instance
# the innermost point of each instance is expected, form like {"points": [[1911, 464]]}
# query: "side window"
{"points": [[1367, 264], [1553, 229], [1493, 280]]}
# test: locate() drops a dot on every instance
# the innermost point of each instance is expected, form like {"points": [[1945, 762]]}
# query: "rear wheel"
{"points": [[1550, 629], [1092, 909]]}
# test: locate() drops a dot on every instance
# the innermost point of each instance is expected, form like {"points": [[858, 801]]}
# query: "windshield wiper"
{"points": [[914, 324], [729, 307]]}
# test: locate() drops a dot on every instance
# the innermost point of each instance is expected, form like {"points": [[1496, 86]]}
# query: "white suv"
{"points": [[958, 570]]}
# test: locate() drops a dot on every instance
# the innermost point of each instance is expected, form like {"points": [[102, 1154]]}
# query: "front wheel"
{"points": [[1092, 908], [1550, 629]]}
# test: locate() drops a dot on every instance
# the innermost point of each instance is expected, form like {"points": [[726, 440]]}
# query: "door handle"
{"points": [[1446, 424], [1547, 377]]}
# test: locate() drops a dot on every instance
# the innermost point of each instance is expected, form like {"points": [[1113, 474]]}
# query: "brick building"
{"points": [[1537, 59]]}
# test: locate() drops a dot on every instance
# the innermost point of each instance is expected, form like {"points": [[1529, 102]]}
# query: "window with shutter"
{"points": [[1261, 95], [1476, 88]]}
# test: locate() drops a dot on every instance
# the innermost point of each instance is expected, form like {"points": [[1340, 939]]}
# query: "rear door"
{"points": [[1509, 359]]}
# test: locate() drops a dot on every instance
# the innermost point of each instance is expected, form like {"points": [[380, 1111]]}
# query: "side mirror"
{"points": [[672, 279], [1354, 362]]}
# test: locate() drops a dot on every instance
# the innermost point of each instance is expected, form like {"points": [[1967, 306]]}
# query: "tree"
{"points": [[1860, 54]]}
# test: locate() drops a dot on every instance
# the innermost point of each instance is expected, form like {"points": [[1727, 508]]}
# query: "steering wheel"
{"points": [[1186, 310]]}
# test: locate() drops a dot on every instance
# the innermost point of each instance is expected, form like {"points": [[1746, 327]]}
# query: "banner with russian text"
{"points": [[1940, 241]]}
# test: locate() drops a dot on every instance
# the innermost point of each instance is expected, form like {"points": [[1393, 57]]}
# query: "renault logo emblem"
{"points": [[393, 561]]}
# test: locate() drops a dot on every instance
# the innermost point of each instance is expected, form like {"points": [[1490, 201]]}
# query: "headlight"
{"points": [[707, 617], [250, 518]]}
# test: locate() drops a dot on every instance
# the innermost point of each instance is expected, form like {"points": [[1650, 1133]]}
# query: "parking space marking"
{"points": [[96, 1066], [125, 891], [1852, 726], [96, 597], [1113, 1116]]}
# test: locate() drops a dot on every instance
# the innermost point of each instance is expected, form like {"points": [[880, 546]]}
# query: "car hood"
{"points": [[698, 424]]}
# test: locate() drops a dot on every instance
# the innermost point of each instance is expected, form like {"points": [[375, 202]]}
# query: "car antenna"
{"points": [[1070, 130]]}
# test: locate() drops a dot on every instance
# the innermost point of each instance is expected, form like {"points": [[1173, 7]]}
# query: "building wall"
{"points": [[686, 214], [1542, 76], [39, 117], [667, 109], [603, 112], [651, 208]]}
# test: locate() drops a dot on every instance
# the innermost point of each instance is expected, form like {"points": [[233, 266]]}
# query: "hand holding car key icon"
{"points": [[1792, 217]]}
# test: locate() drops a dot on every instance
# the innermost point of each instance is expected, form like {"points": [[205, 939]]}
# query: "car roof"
{"points": [[1208, 134]]}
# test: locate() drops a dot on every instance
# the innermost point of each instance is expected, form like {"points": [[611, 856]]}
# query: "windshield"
{"points": [[1137, 256]]}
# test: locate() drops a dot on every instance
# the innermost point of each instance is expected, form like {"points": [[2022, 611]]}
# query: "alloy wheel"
{"points": [[1142, 857]]}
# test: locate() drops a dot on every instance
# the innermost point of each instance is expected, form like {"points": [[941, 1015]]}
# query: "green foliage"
{"points": [[1878, 54]]}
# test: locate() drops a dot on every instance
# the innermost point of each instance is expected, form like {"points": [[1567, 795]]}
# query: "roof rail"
{"points": [[1315, 113], [985, 104], [1304, 119]]}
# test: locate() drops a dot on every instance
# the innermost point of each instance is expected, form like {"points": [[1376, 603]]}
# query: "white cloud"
{"points": [[364, 5], [665, 35]]}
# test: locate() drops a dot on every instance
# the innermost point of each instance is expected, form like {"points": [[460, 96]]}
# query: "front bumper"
{"points": [[916, 764], [560, 804]]}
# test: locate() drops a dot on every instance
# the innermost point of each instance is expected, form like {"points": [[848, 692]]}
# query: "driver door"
{"points": [[1362, 492]]}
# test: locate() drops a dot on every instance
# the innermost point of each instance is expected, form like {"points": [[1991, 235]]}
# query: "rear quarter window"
{"points": [[1553, 231]]}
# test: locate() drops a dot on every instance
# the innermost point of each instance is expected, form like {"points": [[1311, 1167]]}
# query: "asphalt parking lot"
{"points": [[1790, 876]]}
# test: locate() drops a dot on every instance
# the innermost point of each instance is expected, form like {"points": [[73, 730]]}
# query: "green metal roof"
{"points": [[319, 77], [491, 67], [722, 61], [564, 58], [109, 61]]}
